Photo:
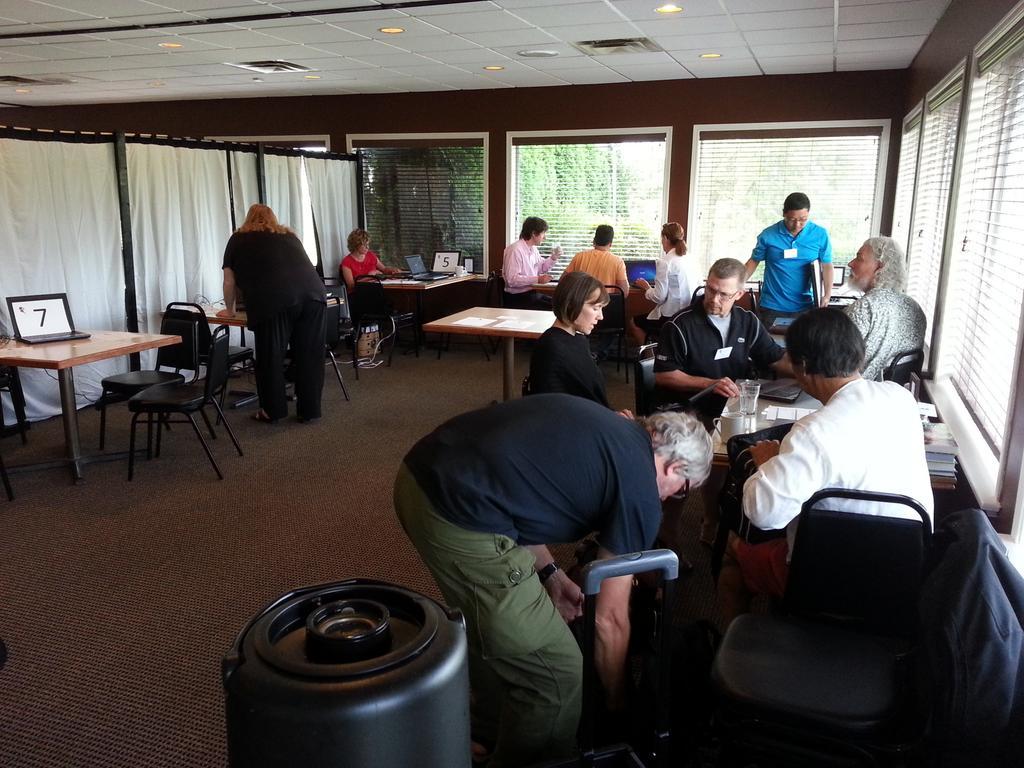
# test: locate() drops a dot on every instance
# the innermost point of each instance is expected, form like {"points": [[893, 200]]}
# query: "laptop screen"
{"points": [[446, 261], [40, 315], [638, 268], [415, 264], [838, 276]]}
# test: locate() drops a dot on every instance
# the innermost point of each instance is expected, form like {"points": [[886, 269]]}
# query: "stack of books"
{"points": [[940, 449]]}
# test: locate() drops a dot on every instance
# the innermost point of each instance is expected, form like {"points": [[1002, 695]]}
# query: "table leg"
{"points": [[69, 413], [508, 367]]}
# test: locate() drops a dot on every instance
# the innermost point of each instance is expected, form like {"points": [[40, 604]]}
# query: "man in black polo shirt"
{"points": [[713, 343], [482, 495]]}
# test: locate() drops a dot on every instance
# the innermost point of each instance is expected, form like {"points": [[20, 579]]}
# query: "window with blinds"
{"points": [[422, 199], [931, 202], [577, 186], [984, 298], [903, 208], [743, 179]]}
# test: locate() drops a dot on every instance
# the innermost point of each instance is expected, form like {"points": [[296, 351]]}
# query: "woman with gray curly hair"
{"points": [[890, 321]]}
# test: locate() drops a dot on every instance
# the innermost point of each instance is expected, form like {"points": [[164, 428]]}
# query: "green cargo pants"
{"points": [[525, 668]]}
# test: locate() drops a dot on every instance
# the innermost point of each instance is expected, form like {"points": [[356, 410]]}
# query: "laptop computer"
{"points": [[640, 268], [418, 271], [42, 318], [782, 390], [446, 261]]}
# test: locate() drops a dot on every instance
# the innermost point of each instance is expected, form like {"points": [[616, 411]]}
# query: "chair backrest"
{"points": [[859, 570], [217, 366], [698, 294], [614, 314], [368, 297], [345, 306], [190, 325], [643, 381], [903, 366], [332, 319], [494, 291], [747, 301]]}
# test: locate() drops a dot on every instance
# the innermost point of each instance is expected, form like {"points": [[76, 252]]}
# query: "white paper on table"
{"points": [[519, 325], [927, 409], [507, 317], [786, 413], [475, 322]]}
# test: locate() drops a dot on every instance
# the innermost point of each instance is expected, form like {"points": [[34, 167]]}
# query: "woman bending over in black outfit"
{"points": [[561, 361]]}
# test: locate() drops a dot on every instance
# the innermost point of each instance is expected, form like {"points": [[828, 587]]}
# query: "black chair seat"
{"points": [[239, 354], [131, 382], [811, 676], [168, 398]]}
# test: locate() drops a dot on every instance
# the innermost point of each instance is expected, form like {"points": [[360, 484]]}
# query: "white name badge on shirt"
{"points": [[789, 253], [723, 353]]}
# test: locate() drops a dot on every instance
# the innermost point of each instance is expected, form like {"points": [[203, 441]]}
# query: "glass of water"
{"points": [[750, 389]]}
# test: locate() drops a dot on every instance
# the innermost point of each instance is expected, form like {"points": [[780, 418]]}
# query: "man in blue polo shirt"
{"points": [[787, 249]]}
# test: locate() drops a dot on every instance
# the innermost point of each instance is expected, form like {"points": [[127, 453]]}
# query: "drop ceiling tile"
{"points": [[318, 5], [310, 34], [430, 71], [205, 7], [238, 38], [564, 51], [446, 10], [640, 72], [559, 63], [693, 42], [356, 48], [371, 28], [578, 32], [384, 14], [527, 78], [764, 6], [333, 64], [108, 8], [772, 51], [894, 44], [524, 37], [631, 59], [481, 56], [591, 76], [29, 11], [514, 4], [724, 68], [398, 58], [895, 60], [644, 9], [814, 17], [890, 29], [570, 15], [671, 27], [435, 43], [930, 10], [99, 48], [488, 21], [800, 35], [787, 65]]}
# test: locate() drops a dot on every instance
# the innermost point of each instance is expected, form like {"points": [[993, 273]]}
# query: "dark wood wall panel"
{"points": [[680, 104]]}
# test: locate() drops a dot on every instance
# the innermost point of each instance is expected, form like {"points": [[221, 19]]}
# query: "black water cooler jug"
{"points": [[357, 673]]}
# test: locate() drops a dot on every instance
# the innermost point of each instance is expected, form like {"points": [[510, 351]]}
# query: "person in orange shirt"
{"points": [[600, 262]]}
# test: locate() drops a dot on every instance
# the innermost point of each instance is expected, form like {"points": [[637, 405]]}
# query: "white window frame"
{"points": [[291, 139], [693, 225], [917, 113], [512, 227], [352, 138]]}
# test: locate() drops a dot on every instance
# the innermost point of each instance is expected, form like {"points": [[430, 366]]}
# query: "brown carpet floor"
{"points": [[118, 599]]}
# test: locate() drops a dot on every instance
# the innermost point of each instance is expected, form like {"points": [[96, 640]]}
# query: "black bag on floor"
{"points": [[730, 500]]}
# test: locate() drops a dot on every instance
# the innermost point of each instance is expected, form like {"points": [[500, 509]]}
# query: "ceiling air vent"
{"points": [[617, 45], [270, 67], [33, 81]]}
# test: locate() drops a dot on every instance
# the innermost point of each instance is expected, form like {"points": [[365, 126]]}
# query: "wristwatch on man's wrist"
{"points": [[547, 571]]}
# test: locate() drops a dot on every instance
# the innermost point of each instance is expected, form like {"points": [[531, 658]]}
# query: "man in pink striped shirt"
{"points": [[523, 267]]}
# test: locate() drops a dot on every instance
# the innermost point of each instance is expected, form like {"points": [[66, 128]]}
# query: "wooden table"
{"points": [[522, 324], [63, 356], [418, 287]]}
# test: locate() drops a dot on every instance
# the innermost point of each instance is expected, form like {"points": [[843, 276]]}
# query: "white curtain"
{"points": [[283, 177], [60, 232], [332, 190], [180, 222], [245, 189]]}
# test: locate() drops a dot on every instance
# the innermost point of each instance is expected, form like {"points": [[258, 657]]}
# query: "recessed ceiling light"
{"points": [[669, 8], [711, 55], [494, 68], [391, 30], [536, 53], [311, 77], [156, 83], [170, 45], [23, 90]]}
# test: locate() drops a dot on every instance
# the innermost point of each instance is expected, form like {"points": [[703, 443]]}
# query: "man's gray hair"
{"points": [[681, 437], [725, 268], [889, 253]]}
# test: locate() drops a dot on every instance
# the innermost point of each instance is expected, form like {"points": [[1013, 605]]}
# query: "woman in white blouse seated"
{"points": [[674, 283]]}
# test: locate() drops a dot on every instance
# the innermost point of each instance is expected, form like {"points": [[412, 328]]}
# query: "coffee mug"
{"points": [[460, 271], [732, 424]]}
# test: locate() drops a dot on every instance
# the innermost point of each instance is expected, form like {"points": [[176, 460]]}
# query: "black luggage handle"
{"points": [[666, 561]]}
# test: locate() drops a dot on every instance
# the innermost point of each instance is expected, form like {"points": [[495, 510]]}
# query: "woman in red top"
{"points": [[361, 260]]}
